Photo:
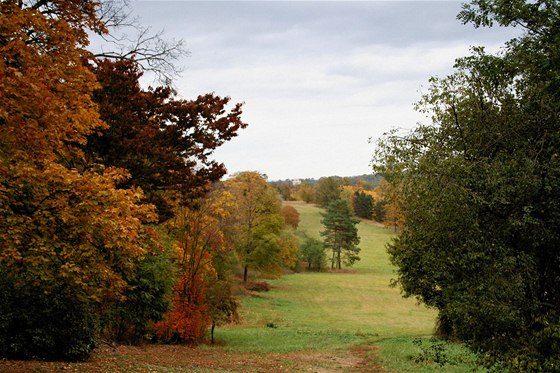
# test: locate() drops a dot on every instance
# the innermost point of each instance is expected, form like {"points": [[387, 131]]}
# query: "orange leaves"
{"points": [[290, 215], [46, 88], [63, 226]]}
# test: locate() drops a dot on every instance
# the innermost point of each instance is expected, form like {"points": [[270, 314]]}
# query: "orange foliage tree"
{"points": [[200, 243], [65, 230], [290, 215]]}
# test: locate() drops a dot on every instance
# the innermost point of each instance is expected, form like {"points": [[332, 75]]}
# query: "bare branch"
{"points": [[151, 50]]}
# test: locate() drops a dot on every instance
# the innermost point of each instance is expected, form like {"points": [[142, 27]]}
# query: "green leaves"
{"points": [[477, 189], [340, 234]]}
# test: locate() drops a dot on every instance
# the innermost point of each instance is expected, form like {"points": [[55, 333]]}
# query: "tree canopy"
{"points": [[256, 222], [74, 236], [340, 234], [478, 191]]}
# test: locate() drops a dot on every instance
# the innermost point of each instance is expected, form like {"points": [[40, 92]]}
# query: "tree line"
{"points": [[365, 195]]}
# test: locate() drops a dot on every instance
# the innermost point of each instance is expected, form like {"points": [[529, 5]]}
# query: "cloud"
{"points": [[317, 78]]}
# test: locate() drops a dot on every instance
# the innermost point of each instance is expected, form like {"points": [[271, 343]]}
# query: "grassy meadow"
{"points": [[338, 311]]}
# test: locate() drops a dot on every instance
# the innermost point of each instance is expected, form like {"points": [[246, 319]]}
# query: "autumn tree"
{"points": [[200, 253], [327, 190], [479, 190], [68, 234], [306, 192], [256, 223], [340, 234], [290, 215], [165, 143]]}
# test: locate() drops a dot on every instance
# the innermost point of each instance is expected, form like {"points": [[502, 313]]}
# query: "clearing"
{"points": [[347, 321]]}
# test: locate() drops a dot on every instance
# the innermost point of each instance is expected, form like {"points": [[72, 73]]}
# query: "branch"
{"points": [[150, 49]]}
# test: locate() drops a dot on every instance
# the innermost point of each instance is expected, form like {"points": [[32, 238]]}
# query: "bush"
{"points": [[257, 286], [50, 326], [147, 299]]}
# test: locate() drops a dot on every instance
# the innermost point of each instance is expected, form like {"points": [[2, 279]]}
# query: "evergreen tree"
{"points": [[363, 205], [340, 234]]}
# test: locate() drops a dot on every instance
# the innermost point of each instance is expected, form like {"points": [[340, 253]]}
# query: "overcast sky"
{"points": [[318, 78]]}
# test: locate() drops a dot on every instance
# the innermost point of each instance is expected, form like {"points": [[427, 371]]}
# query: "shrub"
{"points": [[50, 326]]}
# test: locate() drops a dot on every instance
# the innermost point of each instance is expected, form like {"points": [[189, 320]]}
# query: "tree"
{"points": [[127, 39], [327, 190], [146, 300], [201, 251], [306, 192], [363, 205], [66, 231], [256, 222], [313, 252], [340, 234], [290, 215], [165, 143], [479, 191]]}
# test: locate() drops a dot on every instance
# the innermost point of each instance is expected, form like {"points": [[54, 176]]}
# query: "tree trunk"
{"points": [[338, 259], [245, 273], [212, 332], [332, 260]]}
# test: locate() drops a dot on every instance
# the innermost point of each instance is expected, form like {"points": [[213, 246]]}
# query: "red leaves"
{"points": [[189, 319], [163, 142]]}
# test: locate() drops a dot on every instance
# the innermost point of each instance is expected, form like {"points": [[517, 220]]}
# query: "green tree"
{"points": [[363, 205], [479, 191], [340, 234], [313, 252], [328, 189], [256, 222]]}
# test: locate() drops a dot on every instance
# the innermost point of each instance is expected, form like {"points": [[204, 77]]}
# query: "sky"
{"points": [[318, 79]]}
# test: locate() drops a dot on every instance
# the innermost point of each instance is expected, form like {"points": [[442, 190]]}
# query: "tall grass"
{"points": [[334, 310]]}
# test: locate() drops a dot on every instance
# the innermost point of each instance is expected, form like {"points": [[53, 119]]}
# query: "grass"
{"points": [[340, 310], [348, 321]]}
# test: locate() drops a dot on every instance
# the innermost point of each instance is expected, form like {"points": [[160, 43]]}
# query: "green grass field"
{"points": [[341, 310]]}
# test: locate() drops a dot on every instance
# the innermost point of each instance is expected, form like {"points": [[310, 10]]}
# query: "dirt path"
{"points": [[163, 358]]}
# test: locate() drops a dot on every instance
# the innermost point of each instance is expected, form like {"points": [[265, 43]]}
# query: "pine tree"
{"points": [[341, 234]]}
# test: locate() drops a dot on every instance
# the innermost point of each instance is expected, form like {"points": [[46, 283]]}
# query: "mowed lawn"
{"points": [[340, 311]]}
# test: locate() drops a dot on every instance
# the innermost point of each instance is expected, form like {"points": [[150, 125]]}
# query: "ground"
{"points": [[177, 358]]}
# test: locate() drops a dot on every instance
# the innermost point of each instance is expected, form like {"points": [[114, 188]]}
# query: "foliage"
{"points": [[201, 253], [189, 319], [327, 190], [347, 195], [306, 192], [479, 194], [164, 143], [363, 205], [68, 235], [290, 215], [255, 223], [285, 189], [435, 352], [340, 234], [45, 325], [313, 252], [147, 298]]}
